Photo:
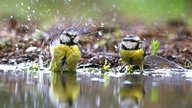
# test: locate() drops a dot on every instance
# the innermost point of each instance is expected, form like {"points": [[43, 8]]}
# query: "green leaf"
{"points": [[105, 67], [155, 45]]}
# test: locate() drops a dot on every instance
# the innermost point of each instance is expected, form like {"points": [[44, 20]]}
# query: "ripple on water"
{"points": [[10, 69], [169, 73]]}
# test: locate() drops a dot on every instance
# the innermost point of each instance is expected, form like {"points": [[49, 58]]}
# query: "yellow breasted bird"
{"points": [[131, 51], [66, 54]]}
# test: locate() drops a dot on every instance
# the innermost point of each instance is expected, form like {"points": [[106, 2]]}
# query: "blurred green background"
{"points": [[48, 12]]}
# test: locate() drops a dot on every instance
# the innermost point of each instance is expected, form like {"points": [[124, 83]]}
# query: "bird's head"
{"points": [[68, 36], [131, 42]]}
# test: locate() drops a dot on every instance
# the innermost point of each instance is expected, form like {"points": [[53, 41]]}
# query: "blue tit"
{"points": [[66, 54], [131, 51]]}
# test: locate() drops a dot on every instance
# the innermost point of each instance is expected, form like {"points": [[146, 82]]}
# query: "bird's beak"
{"points": [[73, 37]]}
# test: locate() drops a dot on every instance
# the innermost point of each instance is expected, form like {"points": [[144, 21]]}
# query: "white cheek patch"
{"points": [[72, 33], [130, 45], [64, 38], [76, 40]]}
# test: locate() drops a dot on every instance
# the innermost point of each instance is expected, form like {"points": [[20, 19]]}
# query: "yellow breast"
{"points": [[65, 57], [133, 57]]}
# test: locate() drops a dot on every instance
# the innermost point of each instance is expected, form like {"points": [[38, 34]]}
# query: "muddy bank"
{"points": [[23, 42]]}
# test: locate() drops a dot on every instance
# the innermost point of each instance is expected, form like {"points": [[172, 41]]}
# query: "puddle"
{"points": [[159, 88]]}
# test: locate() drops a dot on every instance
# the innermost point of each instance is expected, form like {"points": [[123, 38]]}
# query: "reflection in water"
{"points": [[64, 89], [131, 93], [93, 91], [18, 90]]}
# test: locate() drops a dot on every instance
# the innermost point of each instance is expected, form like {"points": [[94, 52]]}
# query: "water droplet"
{"points": [[33, 11], [67, 1], [100, 33], [21, 3], [28, 8], [28, 18]]}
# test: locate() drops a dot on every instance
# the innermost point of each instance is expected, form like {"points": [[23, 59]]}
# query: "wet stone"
{"points": [[11, 54], [19, 60], [34, 55], [4, 60], [31, 49], [24, 56], [12, 61], [25, 59]]}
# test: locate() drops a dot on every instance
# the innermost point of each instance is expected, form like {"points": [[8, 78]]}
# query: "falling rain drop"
{"points": [[28, 8], [16, 45], [67, 1], [28, 18], [33, 11]]}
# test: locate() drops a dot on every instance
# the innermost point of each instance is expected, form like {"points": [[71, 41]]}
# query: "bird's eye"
{"points": [[67, 34]]}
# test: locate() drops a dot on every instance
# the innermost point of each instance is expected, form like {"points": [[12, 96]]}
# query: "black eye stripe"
{"points": [[67, 34], [131, 40]]}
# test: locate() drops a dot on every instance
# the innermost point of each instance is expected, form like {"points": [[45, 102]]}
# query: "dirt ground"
{"points": [[22, 42]]}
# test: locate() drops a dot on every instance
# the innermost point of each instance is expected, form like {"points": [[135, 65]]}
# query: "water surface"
{"points": [[87, 90]]}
